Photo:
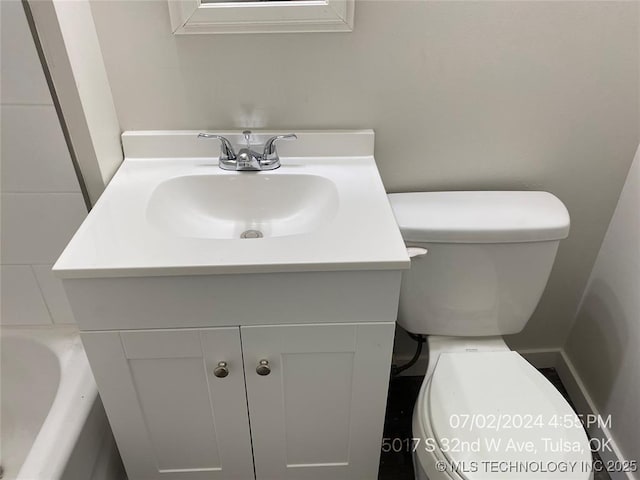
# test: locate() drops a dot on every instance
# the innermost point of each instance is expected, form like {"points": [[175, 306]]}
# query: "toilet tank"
{"points": [[489, 256]]}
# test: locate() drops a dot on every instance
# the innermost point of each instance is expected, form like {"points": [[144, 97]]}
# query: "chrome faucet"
{"points": [[248, 159]]}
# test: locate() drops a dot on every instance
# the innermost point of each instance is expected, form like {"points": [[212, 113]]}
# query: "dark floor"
{"points": [[403, 391]]}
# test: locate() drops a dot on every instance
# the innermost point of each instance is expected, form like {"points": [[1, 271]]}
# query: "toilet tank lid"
{"points": [[480, 217]]}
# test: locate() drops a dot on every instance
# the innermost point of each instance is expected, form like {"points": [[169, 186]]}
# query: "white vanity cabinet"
{"points": [[171, 417], [164, 285], [319, 414], [308, 416]]}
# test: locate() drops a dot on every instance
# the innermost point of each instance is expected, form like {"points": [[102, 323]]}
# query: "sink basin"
{"points": [[170, 210], [245, 205]]}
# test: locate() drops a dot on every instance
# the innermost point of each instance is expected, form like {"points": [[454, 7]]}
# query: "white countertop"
{"points": [[117, 240]]}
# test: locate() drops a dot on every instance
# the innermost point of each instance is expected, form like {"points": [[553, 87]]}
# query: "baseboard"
{"points": [[541, 358], [585, 407]]}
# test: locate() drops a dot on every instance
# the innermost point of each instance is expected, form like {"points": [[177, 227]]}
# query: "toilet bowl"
{"points": [[483, 411]]}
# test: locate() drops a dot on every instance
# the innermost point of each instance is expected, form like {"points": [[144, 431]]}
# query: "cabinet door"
{"points": [[171, 416], [319, 413]]}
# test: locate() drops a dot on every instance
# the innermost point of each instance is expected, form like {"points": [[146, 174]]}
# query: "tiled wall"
{"points": [[41, 201]]}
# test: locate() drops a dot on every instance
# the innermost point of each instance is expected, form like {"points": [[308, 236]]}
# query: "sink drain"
{"points": [[251, 234]]}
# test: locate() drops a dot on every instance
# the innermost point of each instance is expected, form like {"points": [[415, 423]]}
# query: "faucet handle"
{"points": [[226, 149], [270, 146]]}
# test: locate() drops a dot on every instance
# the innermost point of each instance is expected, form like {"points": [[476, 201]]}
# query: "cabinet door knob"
{"points": [[221, 370], [263, 368]]}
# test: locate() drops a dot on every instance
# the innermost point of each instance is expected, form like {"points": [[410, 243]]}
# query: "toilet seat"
{"points": [[489, 413]]}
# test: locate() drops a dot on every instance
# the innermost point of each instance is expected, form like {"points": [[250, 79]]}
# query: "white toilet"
{"points": [[484, 412]]}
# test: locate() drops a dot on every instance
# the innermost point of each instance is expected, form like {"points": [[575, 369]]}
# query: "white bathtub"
{"points": [[52, 424]]}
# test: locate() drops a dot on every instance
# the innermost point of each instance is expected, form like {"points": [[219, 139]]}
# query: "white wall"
{"points": [[462, 95], [41, 201], [603, 344]]}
